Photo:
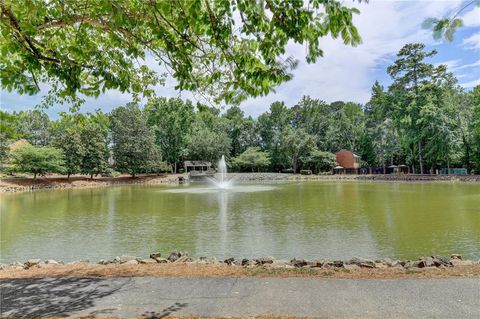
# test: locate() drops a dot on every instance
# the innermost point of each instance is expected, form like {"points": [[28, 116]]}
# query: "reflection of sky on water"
{"points": [[207, 189], [286, 220]]}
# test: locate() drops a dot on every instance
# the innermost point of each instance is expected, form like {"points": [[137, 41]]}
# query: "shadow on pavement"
{"points": [[53, 296], [165, 312]]}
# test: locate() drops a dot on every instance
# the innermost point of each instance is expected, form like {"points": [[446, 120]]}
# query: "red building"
{"points": [[347, 159], [348, 162]]}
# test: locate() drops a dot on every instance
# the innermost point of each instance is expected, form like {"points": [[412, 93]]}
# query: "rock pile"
{"points": [[178, 257]]}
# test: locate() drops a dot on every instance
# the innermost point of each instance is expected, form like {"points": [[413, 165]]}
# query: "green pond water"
{"points": [[283, 220]]}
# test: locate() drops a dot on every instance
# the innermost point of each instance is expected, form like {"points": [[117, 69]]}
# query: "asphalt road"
{"points": [[230, 297]]}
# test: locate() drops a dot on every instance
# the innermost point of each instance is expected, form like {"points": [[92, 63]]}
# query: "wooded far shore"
{"points": [[26, 183]]}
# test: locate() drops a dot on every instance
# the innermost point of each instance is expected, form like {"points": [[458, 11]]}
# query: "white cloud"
{"points": [[472, 17], [455, 65], [451, 64], [471, 84], [347, 73], [475, 64], [464, 72], [472, 42]]}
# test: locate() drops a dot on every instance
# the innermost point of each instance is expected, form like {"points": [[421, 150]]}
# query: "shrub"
{"points": [[252, 159], [319, 161], [37, 160], [305, 172]]}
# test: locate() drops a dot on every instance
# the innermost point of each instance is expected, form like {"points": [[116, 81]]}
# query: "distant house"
{"points": [[348, 160]]}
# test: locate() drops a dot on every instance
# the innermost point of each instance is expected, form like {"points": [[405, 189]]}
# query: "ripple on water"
{"points": [[233, 189]]}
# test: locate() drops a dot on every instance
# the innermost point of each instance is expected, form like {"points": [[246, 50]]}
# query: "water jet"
{"points": [[221, 181]]}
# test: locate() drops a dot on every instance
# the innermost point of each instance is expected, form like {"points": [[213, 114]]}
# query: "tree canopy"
{"points": [[253, 158], [66, 136], [37, 160], [418, 93], [7, 132], [171, 120], [94, 138], [134, 149], [224, 49]]}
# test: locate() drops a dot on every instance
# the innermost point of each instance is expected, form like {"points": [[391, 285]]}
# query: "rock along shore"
{"points": [[379, 177], [270, 262]]}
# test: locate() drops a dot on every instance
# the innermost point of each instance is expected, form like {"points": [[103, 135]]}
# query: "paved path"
{"points": [[159, 297]]}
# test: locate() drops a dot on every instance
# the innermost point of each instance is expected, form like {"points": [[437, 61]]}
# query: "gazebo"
{"points": [[339, 169], [404, 169], [393, 169], [198, 168]]}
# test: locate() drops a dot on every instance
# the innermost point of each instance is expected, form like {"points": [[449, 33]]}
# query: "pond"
{"points": [[336, 220]]}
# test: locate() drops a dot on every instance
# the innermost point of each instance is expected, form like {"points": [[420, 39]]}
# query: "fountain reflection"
{"points": [[223, 205]]}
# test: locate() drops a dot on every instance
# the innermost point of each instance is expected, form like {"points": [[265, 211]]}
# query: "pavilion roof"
{"points": [[197, 163]]}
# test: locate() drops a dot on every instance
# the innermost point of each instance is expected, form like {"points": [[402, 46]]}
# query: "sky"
{"points": [[344, 73]]}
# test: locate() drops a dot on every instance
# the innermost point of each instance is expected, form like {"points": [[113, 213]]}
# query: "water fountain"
{"points": [[222, 169], [222, 182]]}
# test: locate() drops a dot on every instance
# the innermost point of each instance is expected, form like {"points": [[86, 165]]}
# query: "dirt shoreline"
{"points": [[172, 317], [95, 316], [26, 184], [23, 184], [223, 270]]}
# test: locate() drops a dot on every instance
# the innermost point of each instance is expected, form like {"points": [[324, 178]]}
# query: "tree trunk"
{"points": [[34, 175], [68, 176], [91, 176], [420, 158], [383, 160], [467, 158], [175, 168]]}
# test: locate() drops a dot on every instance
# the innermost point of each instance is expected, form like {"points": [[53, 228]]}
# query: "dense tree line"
{"points": [[423, 119]]}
